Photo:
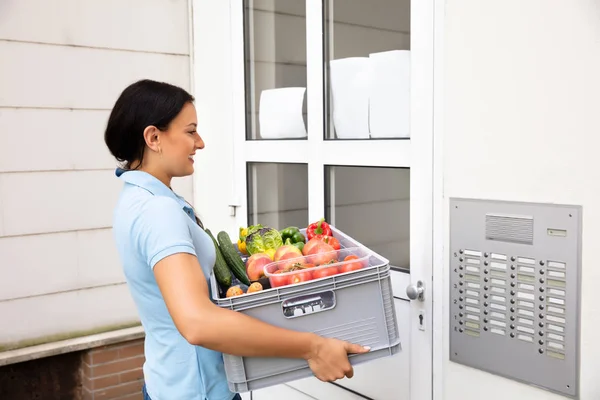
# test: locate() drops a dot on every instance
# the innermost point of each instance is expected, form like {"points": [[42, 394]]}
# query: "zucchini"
{"points": [[221, 270], [232, 257]]}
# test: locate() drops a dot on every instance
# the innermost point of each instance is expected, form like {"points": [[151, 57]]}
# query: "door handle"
{"points": [[416, 292]]}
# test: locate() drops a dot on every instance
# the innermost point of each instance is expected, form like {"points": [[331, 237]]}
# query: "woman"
{"points": [[167, 259]]}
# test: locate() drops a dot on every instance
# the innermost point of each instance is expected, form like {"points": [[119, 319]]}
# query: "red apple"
{"points": [[256, 264]]}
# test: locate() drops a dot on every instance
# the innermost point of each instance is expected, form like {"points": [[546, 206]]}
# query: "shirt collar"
{"points": [[151, 184]]}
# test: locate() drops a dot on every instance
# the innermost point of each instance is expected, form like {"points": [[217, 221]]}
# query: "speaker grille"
{"points": [[508, 228]]}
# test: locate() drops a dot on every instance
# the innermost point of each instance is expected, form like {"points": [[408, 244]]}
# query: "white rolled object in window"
{"points": [[350, 97], [389, 105], [280, 113]]}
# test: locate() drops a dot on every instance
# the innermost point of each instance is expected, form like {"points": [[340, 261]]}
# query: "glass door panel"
{"points": [[277, 194], [275, 69], [372, 204], [367, 68]]}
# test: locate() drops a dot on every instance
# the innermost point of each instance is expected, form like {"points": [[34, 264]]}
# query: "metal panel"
{"points": [[515, 290]]}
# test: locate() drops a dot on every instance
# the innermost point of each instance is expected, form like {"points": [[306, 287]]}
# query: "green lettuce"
{"points": [[262, 240]]}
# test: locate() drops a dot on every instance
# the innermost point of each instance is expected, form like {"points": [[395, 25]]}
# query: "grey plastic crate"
{"points": [[357, 307]]}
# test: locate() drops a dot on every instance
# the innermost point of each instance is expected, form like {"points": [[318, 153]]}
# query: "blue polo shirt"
{"points": [[150, 223]]}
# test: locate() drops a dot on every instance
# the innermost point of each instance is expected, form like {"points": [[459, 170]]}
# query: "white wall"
{"points": [[522, 92], [61, 70]]}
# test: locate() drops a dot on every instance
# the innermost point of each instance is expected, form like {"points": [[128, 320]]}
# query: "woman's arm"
{"points": [[184, 289]]}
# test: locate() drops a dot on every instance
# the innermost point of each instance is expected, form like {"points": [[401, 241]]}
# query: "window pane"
{"points": [[368, 68], [275, 58], [372, 204], [278, 194]]}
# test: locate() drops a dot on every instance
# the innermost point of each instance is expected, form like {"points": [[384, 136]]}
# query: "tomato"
{"points": [[277, 281], [301, 265], [330, 240], [309, 245], [325, 272], [321, 253], [351, 267], [302, 276]]}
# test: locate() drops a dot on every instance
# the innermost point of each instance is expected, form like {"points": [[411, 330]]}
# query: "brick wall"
{"points": [[113, 372]]}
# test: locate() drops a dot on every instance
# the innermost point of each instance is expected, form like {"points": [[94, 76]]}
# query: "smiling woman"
{"points": [[167, 259], [166, 117]]}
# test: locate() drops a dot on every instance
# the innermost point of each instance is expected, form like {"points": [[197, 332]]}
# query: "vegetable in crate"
{"points": [[352, 266], [244, 232], [292, 236], [318, 228], [232, 257], [221, 270], [330, 240], [263, 240], [234, 291], [255, 287], [319, 252], [287, 251], [256, 264]]}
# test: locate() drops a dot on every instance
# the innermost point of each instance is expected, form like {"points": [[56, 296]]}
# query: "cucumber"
{"points": [[232, 257], [222, 272]]}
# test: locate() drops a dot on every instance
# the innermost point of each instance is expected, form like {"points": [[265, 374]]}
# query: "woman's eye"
{"points": [[192, 132]]}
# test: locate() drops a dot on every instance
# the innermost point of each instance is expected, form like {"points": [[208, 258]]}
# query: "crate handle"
{"points": [[308, 304]]}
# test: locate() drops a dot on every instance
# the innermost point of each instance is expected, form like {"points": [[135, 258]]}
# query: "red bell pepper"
{"points": [[318, 228]]}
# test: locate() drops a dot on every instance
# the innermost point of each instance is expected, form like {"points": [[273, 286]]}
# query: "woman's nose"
{"points": [[200, 143]]}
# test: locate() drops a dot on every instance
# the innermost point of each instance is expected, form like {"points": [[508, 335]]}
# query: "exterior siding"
{"points": [[62, 69]]}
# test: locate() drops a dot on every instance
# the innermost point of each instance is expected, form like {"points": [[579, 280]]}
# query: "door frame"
{"points": [[219, 89]]}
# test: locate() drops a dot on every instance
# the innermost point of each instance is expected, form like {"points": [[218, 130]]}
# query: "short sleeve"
{"points": [[161, 229]]}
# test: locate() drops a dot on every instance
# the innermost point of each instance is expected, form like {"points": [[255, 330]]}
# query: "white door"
{"points": [[332, 111]]}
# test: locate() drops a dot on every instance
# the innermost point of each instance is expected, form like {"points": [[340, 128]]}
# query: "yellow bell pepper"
{"points": [[242, 247]]}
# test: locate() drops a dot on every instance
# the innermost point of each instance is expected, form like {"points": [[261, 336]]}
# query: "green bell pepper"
{"points": [[292, 236]]}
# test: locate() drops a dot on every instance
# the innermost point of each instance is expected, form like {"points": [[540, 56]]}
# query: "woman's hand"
{"points": [[329, 359]]}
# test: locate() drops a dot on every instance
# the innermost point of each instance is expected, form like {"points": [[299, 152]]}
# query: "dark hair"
{"points": [[141, 104]]}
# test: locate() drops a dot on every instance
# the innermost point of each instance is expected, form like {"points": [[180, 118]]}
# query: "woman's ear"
{"points": [[152, 139]]}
